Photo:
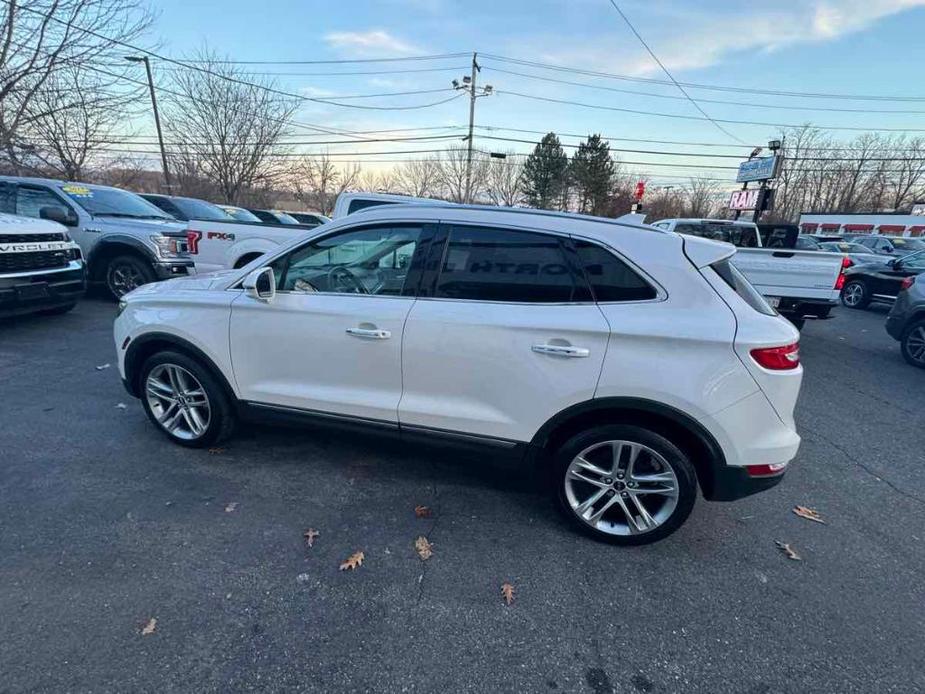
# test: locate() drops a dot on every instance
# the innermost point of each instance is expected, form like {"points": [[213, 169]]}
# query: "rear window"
{"points": [[361, 204], [739, 235], [742, 287]]}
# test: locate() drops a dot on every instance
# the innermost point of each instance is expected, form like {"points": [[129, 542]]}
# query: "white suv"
{"points": [[631, 363]]}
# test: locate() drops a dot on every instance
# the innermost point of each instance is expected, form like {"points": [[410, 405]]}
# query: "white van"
{"points": [[348, 203]]}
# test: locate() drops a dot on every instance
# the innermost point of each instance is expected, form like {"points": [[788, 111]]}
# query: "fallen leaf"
{"points": [[507, 593], [424, 548], [353, 561], [423, 511], [310, 536], [808, 513], [788, 550], [149, 627], [231, 507], [216, 451], [102, 366], [121, 406]]}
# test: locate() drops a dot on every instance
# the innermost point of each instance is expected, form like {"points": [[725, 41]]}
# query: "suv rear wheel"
{"points": [[125, 273], [913, 344], [855, 294], [624, 484], [185, 401]]}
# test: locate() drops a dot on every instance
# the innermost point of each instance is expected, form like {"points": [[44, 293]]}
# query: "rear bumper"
{"points": [[39, 291], [819, 309], [731, 483]]}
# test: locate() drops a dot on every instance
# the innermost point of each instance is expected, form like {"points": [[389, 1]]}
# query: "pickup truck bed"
{"points": [[801, 283]]}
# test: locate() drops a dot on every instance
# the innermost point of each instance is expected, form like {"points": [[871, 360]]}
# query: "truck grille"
{"points": [[40, 260], [30, 238]]}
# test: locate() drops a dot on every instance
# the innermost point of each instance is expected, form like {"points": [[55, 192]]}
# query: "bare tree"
{"points": [[504, 180], [453, 174], [419, 177], [317, 181], [229, 121], [384, 181], [701, 198], [40, 37]]}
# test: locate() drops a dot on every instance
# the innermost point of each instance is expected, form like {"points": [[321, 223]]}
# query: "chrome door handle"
{"points": [[370, 333], [562, 350]]}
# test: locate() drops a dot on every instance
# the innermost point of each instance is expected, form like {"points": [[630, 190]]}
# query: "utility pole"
{"points": [[469, 85], [157, 118]]}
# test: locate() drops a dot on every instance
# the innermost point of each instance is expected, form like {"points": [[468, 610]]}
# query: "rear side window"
{"points": [[361, 204], [742, 287], [611, 279], [485, 264]]}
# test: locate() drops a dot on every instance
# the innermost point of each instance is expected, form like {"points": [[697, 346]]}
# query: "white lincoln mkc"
{"points": [[630, 363]]}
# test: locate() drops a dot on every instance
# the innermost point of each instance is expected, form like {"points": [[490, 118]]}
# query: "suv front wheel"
{"points": [[624, 484], [185, 401], [913, 344]]}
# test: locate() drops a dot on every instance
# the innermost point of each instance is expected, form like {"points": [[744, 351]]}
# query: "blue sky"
{"points": [[870, 47]]}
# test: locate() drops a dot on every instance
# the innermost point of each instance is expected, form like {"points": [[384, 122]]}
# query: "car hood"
{"points": [[203, 282], [140, 226]]}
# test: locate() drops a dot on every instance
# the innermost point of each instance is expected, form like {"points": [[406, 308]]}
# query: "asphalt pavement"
{"points": [[105, 525]]}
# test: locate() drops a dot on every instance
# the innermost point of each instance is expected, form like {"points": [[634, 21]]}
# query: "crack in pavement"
{"points": [[433, 527], [865, 468]]}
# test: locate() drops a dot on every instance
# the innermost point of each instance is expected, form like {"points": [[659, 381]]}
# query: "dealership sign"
{"points": [[758, 169], [744, 199]]}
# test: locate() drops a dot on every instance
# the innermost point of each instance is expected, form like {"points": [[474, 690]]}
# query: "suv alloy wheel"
{"points": [[913, 344], [624, 484], [184, 401], [855, 295]]}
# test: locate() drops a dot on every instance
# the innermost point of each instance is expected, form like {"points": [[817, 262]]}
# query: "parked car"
{"points": [[855, 252], [186, 209], [879, 281], [348, 203], [241, 215], [41, 268], [887, 245], [273, 216], [309, 218], [906, 322], [800, 284], [633, 364], [125, 240]]}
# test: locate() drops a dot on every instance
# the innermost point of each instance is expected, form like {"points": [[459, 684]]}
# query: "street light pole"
{"points": [[157, 118], [468, 85]]}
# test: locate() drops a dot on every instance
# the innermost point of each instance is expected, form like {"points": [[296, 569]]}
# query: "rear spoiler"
{"points": [[702, 252]]}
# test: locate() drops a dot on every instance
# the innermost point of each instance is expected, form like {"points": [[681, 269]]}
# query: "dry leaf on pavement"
{"points": [[310, 536], [424, 548], [102, 366], [216, 451], [422, 511], [353, 561], [507, 593], [808, 513], [121, 406], [231, 507], [788, 550], [149, 627]]}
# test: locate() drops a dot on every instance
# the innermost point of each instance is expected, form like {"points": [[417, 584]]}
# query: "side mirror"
{"points": [[60, 215], [261, 284]]}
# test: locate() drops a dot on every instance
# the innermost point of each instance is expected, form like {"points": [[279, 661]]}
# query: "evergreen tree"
{"points": [[592, 172], [545, 173]]}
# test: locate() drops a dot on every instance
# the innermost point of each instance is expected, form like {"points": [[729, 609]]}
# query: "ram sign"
{"points": [[758, 169], [744, 199]]}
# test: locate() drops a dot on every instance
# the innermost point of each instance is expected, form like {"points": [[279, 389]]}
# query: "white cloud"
{"points": [[696, 39], [372, 43]]}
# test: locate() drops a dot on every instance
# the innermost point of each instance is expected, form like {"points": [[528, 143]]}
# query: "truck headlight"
{"points": [[170, 246]]}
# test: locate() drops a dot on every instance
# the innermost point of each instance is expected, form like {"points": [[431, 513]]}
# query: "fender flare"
{"points": [[108, 241]]}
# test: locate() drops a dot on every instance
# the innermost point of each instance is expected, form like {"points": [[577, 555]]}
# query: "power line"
{"points": [[683, 117], [440, 56], [696, 85], [709, 101], [670, 76]]}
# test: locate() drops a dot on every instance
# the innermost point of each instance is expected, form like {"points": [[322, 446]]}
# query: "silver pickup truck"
{"points": [[125, 240], [799, 284]]}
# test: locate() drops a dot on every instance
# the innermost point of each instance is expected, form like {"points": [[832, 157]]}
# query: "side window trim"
{"points": [[660, 293]]}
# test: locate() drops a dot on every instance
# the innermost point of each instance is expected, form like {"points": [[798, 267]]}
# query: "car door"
{"points": [[502, 337], [330, 339]]}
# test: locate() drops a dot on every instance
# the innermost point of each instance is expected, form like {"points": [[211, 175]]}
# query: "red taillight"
{"points": [[846, 262], [778, 358], [766, 470], [908, 282]]}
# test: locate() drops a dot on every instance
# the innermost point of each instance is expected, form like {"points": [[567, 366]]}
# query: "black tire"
{"points": [[245, 260], [676, 459], [222, 418], [58, 310], [798, 323], [126, 272], [856, 294], [915, 332]]}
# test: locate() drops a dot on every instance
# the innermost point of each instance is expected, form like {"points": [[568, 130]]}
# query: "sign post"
{"points": [[761, 169]]}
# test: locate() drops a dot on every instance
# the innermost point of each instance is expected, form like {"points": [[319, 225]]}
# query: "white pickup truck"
{"points": [[799, 284]]}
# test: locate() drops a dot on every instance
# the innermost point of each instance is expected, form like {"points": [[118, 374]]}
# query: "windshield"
{"points": [[844, 247], [241, 214], [914, 261], [200, 209], [285, 218], [908, 244], [112, 202], [739, 235]]}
